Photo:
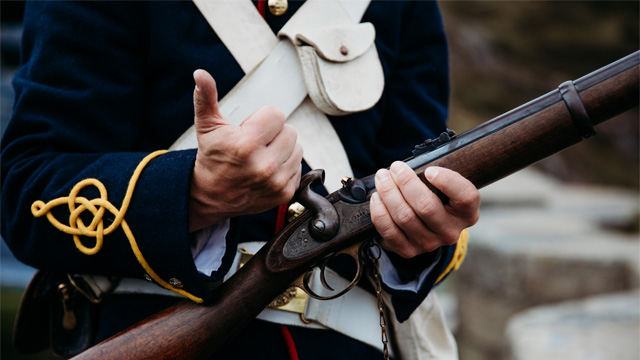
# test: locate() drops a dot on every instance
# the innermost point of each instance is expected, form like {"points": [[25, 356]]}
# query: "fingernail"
{"points": [[431, 173], [383, 174], [194, 79], [397, 167], [375, 198]]}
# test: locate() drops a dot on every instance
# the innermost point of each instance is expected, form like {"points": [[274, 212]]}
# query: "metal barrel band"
{"points": [[576, 109]]}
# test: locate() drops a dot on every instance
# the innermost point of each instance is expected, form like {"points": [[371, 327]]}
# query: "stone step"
{"points": [[600, 327], [539, 241]]}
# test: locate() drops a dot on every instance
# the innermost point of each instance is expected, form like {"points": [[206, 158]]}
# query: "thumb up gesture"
{"points": [[241, 169]]}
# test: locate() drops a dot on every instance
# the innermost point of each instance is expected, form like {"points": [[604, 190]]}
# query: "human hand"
{"points": [[411, 219], [241, 169]]}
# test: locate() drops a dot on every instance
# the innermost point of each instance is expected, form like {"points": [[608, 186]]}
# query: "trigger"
{"points": [[323, 279]]}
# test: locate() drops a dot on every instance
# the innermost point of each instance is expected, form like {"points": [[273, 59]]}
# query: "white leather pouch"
{"points": [[341, 67]]}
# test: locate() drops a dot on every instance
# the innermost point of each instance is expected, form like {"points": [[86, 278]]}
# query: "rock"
{"points": [[539, 241], [600, 327]]}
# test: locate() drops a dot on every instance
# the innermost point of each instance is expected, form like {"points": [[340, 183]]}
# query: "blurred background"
{"points": [[552, 266]]}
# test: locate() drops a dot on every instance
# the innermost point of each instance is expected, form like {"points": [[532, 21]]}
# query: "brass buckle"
{"points": [[292, 300]]}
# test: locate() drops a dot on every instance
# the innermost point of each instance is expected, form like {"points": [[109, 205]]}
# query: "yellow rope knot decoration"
{"points": [[78, 204]]}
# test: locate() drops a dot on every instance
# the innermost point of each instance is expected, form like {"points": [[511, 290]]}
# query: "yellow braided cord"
{"points": [[96, 229], [458, 255]]}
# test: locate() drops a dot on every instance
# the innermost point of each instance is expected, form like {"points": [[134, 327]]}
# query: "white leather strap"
{"points": [[281, 70], [241, 28]]}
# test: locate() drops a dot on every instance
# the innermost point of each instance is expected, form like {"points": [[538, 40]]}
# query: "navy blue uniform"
{"points": [[103, 84]]}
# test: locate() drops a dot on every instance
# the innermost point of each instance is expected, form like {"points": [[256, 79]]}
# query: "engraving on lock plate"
{"points": [[301, 242]]}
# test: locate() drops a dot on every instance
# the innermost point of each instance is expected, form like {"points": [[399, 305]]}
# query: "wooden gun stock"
{"points": [[484, 154]]}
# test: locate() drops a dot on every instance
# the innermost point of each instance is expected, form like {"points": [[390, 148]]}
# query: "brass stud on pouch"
{"points": [[278, 7]]}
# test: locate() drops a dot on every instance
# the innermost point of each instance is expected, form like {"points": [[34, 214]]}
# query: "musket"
{"points": [[485, 154]]}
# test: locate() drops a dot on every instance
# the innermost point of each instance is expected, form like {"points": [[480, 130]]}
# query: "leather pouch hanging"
{"points": [[53, 314], [341, 67]]}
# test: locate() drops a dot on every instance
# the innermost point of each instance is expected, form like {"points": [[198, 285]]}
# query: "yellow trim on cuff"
{"points": [[96, 229], [458, 255]]}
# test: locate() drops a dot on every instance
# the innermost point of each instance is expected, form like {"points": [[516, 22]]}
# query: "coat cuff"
{"points": [[405, 297]]}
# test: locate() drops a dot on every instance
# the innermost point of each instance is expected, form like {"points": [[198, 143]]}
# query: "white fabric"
{"points": [[425, 336], [211, 247]]}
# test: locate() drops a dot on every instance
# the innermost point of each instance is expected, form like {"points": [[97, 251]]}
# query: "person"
{"points": [[102, 85]]}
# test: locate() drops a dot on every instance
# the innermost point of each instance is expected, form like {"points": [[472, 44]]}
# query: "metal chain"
{"points": [[376, 274]]}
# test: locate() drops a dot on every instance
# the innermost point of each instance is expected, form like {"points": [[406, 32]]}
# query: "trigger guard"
{"points": [[310, 292]]}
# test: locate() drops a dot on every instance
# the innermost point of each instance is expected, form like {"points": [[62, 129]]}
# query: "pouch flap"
{"points": [[340, 44], [341, 88]]}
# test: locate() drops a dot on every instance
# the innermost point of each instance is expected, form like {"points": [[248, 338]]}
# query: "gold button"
{"points": [[278, 7], [175, 283]]}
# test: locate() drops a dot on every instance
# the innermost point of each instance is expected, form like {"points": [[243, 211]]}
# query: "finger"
{"points": [[393, 239], [400, 210], [264, 125], [464, 198], [278, 178], [205, 102], [282, 147], [292, 185], [426, 205], [291, 169]]}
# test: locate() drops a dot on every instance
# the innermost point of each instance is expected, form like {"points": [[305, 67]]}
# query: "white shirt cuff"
{"points": [[209, 247]]}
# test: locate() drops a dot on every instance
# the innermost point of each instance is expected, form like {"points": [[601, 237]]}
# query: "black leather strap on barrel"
{"points": [[576, 109]]}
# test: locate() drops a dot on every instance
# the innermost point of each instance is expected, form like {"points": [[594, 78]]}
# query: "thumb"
{"points": [[205, 102]]}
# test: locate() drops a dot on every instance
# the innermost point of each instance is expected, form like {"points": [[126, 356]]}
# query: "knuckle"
{"points": [[406, 252], [469, 198], [274, 112], [405, 215], [279, 184], [384, 228], [289, 190], [405, 178], [427, 206], [429, 248], [265, 172], [290, 131], [474, 218], [450, 237], [427, 245], [245, 147]]}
